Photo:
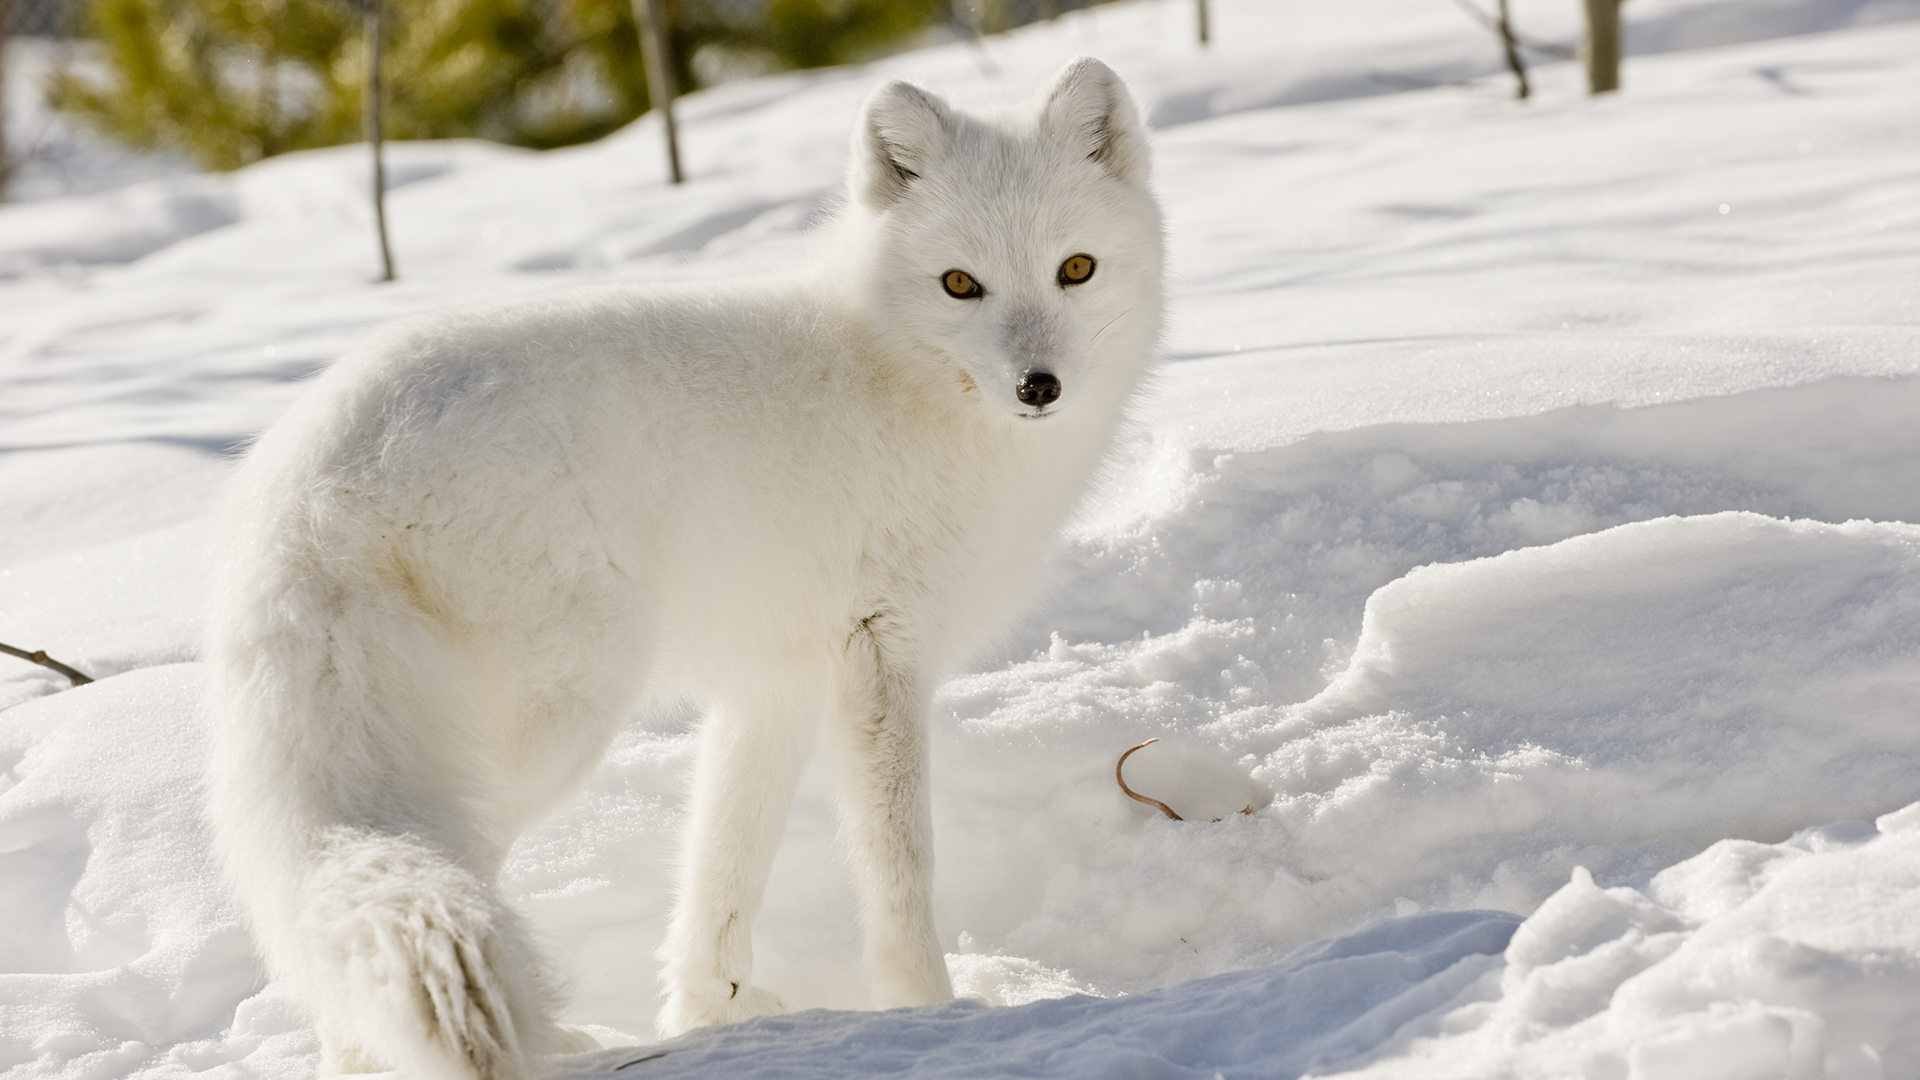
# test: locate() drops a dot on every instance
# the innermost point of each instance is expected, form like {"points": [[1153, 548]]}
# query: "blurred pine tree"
{"points": [[816, 33], [233, 81]]}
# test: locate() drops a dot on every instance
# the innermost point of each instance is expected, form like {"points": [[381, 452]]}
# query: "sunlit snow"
{"points": [[1525, 524]]}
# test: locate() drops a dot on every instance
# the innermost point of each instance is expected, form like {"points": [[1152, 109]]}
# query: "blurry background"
{"points": [[101, 93], [222, 83], [1512, 360]]}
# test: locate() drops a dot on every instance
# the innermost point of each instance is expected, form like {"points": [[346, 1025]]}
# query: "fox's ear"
{"points": [[903, 131], [1089, 108]]}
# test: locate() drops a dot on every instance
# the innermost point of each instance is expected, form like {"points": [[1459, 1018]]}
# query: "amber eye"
{"points": [[961, 286], [1076, 270]]}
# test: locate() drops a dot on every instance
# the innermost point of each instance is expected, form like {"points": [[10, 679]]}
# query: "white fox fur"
{"points": [[474, 544]]}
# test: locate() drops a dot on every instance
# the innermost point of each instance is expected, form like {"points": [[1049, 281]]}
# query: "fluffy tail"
{"points": [[349, 780], [341, 789], [412, 963]]}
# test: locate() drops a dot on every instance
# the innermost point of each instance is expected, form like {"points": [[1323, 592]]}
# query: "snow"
{"points": [[1526, 525]]}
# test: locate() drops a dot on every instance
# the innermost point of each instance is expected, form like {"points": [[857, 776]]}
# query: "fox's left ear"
{"points": [[1089, 107]]}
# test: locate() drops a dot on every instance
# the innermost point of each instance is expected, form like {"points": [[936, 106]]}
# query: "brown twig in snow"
{"points": [[39, 656], [1134, 795], [1137, 797]]}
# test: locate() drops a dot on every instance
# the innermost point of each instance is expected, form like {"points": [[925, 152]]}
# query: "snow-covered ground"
{"points": [[1526, 523]]}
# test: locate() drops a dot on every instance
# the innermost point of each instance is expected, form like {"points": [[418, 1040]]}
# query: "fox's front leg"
{"points": [[879, 735], [750, 758]]}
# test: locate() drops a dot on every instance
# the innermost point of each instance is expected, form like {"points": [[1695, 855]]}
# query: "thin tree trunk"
{"points": [[268, 33], [1202, 4], [6, 156], [1513, 53], [376, 132], [650, 20], [1603, 46]]}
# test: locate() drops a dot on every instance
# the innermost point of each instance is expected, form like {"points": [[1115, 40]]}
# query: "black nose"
{"points": [[1038, 389]]}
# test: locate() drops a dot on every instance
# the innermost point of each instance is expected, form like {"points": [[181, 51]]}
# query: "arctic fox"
{"points": [[458, 562]]}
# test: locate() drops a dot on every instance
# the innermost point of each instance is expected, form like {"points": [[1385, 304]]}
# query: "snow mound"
{"points": [[120, 943], [1734, 964], [1617, 700], [1798, 960]]}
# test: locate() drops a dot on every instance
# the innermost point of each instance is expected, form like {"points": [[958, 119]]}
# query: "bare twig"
{"points": [[6, 159], [1134, 795], [39, 656], [1137, 797], [376, 128], [1491, 23], [650, 21], [1518, 66]]}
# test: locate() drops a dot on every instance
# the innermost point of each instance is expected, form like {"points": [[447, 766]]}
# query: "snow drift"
{"points": [[1522, 525]]}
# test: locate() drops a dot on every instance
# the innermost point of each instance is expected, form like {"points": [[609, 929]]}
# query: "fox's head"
{"points": [[1019, 256]]}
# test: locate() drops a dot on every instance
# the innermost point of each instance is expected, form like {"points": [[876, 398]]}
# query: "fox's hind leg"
{"points": [[751, 755]]}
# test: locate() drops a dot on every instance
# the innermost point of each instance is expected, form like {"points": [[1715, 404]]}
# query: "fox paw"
{"points": [[704, 1005]]}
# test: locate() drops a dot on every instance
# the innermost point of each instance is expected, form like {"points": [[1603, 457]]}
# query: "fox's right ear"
{"points": [[903, 131]]}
